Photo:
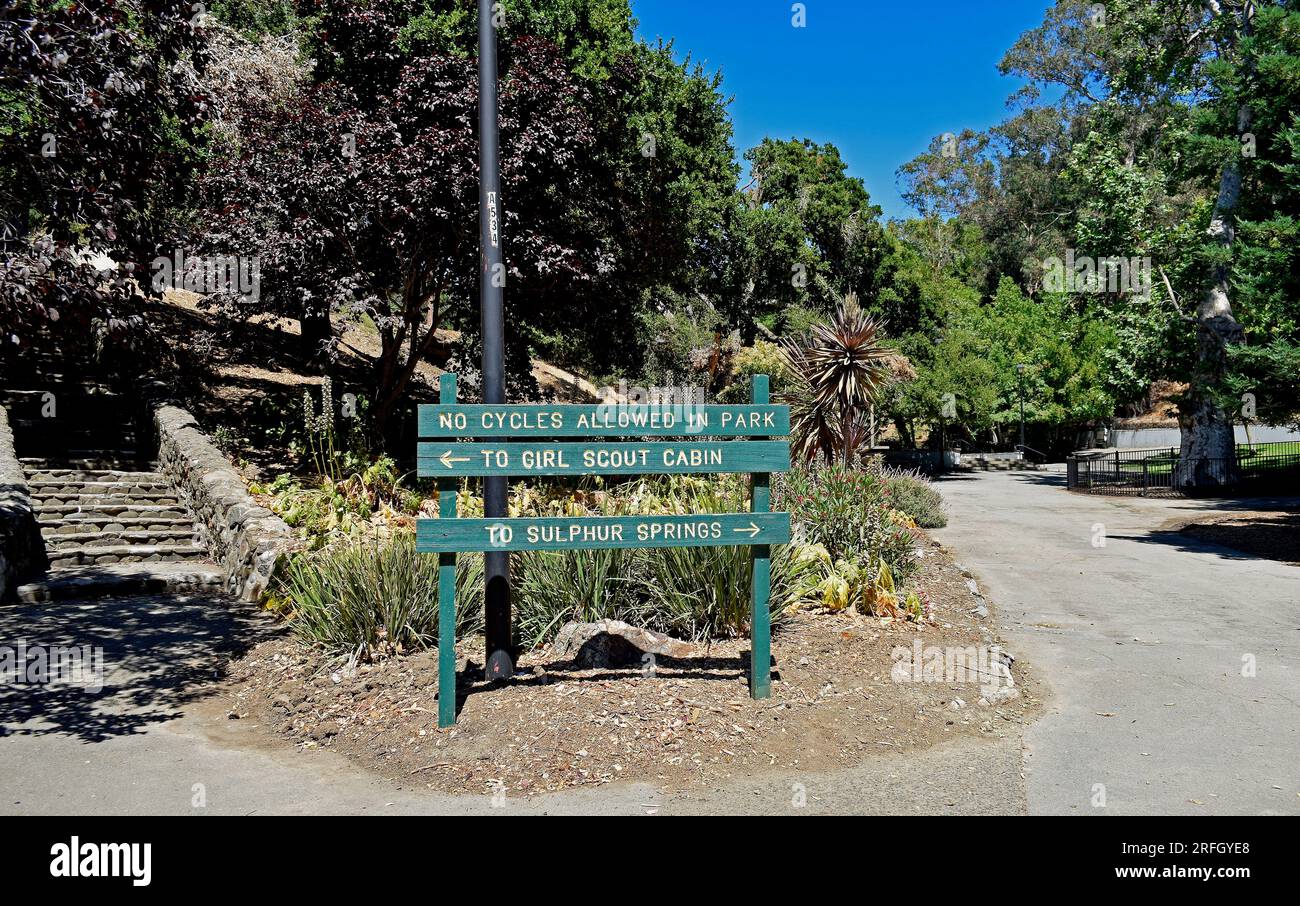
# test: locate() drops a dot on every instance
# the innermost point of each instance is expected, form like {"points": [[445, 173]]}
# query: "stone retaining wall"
{"points": [[22, 552], [247, 540]]}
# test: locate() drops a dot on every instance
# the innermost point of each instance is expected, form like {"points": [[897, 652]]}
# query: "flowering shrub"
{"points": [[868, 544], [852, 550], [916, 497], [849, 512]]}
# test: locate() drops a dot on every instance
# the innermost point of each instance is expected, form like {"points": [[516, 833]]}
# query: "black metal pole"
{"points": [[500, 662]]}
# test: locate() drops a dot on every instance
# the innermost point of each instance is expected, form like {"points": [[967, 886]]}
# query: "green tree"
{"points": [[806, 233], [1145, 154]]}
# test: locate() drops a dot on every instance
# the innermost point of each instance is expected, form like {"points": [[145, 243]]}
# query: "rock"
{"points": [[247, 540], [22, 550], [999, 695], [974, 588], [613, 643], [980, 611]]}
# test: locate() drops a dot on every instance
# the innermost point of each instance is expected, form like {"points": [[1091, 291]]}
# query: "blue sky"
{"points": [[878, 79]]}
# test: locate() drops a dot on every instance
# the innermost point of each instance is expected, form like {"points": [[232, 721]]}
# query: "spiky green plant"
{"points": [[839, 370], [376, 594], [553, 588]]}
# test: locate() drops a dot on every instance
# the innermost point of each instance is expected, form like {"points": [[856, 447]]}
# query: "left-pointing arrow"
{"points": [[448, 460], [750, 529]]}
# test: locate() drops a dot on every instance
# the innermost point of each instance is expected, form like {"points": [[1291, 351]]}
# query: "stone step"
{"points": [[106, 482], [48, 384], [125, 452], [80, 425], [110, 538], [92, 523], [101, 464], [69, 512], [125, 553], [76, 386], [139, 498], [91, 476], [61, 487], [194, 577]]}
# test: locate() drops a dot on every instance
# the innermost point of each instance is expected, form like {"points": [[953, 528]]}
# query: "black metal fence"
{"points": [[1257, 469]]}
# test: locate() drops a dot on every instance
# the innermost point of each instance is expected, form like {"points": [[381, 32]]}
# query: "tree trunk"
{"points": [[1208, 452], [394, 376], [1206, 428], [315, 327], [906, 439]]}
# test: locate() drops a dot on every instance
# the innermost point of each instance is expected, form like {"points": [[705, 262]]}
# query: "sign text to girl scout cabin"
{"points": [[729, 447]]}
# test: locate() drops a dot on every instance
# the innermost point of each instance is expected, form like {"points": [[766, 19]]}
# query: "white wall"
{"points": [[1143, 438]]}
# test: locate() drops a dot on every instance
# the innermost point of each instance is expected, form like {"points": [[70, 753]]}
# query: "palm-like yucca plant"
{"points": [[838, 371]]}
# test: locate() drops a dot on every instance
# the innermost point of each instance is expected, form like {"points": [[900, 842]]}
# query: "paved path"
{"points": [[1141, 639], [1141, 635], [155, 741]]}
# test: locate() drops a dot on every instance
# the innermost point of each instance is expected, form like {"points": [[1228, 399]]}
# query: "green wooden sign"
{"points": [[457, 460], [449, 461], [604, 420], [562, 533]]}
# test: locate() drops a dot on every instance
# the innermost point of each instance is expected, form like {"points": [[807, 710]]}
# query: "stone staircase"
{"points": [[112, 530], [110, 521], [91, 517], [986, 464]]}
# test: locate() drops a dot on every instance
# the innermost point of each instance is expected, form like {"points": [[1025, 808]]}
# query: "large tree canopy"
{"points": [[1168, 139], [806, 234], [617, 172], [99, 116]]}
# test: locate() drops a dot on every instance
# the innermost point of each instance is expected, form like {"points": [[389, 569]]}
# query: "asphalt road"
{"points": [[1141, 639], [155, 740], [1147, 639]]}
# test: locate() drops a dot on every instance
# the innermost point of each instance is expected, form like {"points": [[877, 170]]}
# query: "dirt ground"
{"points": [[554, 726], [1270, 534], [258, 379]]}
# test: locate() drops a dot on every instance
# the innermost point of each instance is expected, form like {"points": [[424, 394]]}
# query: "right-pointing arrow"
{"points": [[751, 530]]}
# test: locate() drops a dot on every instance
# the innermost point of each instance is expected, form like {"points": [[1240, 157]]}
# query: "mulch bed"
{"points": [[554, 726], [1272, 535]]}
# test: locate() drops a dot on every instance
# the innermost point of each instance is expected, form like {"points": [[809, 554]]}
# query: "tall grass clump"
{"points": [[375, 595], [915, 496], [704, 592], [552, 588]]}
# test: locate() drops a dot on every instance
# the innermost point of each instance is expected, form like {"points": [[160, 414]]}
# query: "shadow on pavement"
{"points": [[158, 653], [1231, 542]]}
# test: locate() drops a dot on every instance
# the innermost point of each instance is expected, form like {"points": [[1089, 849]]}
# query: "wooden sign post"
{"points": [[460, 446]]}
